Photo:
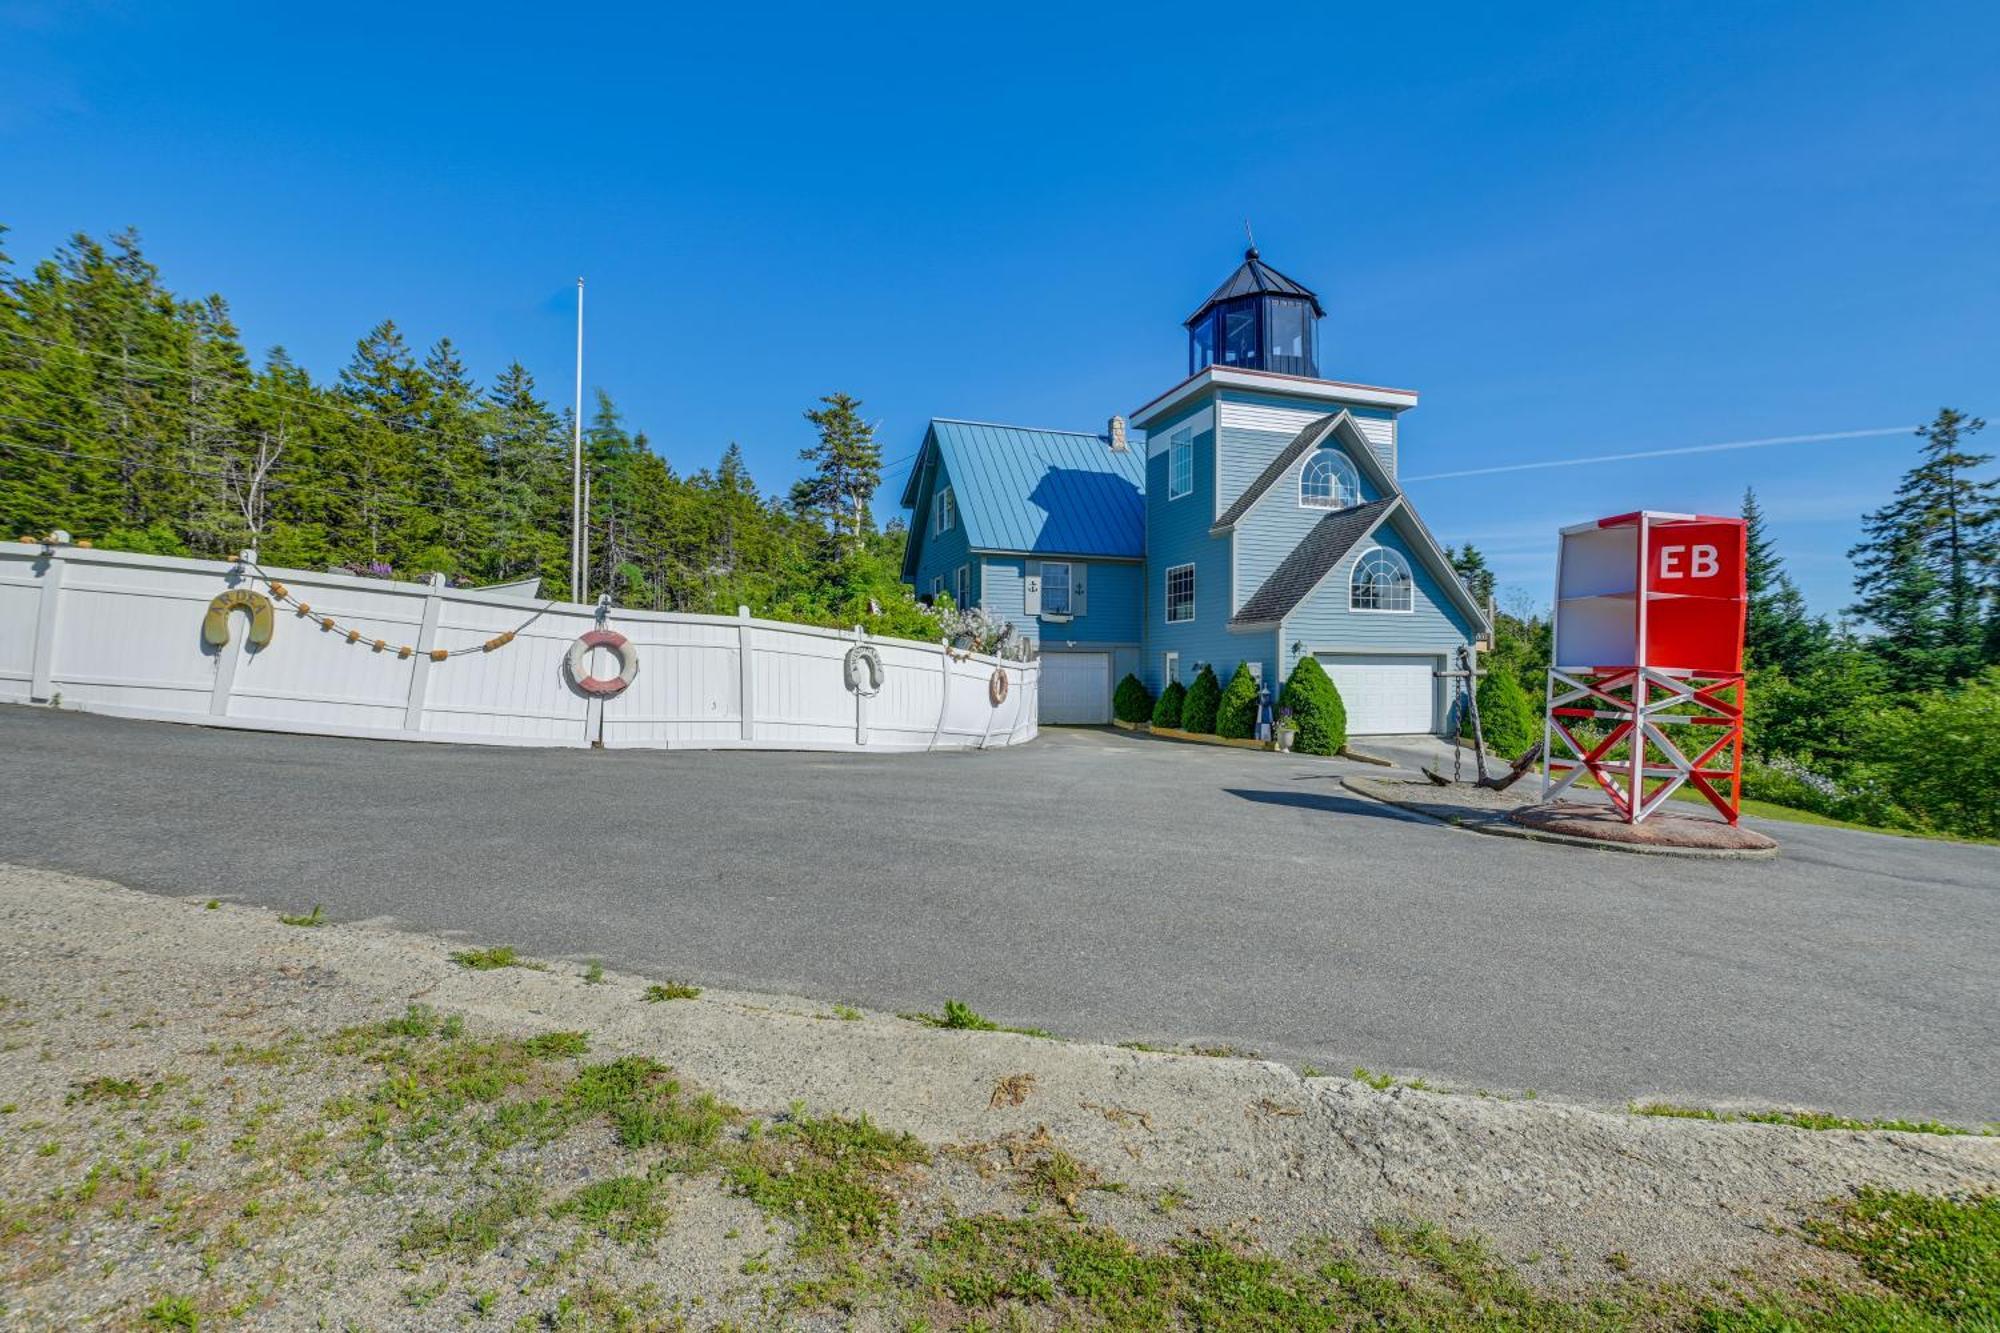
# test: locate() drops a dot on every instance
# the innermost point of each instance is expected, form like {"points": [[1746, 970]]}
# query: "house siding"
{"points": [[1113, 594], [1177, 534], [1323, 623], [1251, 421], [1277, 523], [939, 554]]}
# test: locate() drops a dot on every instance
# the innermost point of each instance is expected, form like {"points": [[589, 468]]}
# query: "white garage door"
{"points": [[1076, 687], [1385, 694]]}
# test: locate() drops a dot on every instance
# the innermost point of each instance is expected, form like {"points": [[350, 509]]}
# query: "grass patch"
{"points": [[314, 918], [961, 1016], [671, 990], [593, 972], [1796, 1119], [556, 1045], [623, 1208], [105, 1089], [495, 958], [475, 1229], [174, 1312], [823, 1175]]}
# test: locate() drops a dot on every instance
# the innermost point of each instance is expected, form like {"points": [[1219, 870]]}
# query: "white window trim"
{"points": [[1353, 474], [1183, 438], [1402, 560], [1170, 669], [961, 588], [1069, 584], [1167, 594], [937, 586], [946, 516]]}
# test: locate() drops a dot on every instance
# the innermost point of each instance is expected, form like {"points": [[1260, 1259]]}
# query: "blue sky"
{"points": [[1608, 231]]}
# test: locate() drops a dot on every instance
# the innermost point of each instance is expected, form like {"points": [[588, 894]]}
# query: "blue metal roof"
{"points": [[1052, 492]]}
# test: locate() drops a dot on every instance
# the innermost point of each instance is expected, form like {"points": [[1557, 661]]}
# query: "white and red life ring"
{"points": [[996, 686], [616, 644]]}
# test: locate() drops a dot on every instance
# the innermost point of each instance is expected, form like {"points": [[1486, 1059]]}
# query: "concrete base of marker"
{"points": [[1507, 815]]}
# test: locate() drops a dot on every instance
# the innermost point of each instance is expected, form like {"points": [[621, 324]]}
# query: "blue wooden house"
{"points": [[1248, 514]]}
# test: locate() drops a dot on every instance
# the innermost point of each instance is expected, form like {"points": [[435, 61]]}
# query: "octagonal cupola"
{"points": [[1258, 320]]}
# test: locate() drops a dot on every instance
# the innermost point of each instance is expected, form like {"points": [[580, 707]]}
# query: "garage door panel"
{"points": [[1386, 694], [1076, 687]]}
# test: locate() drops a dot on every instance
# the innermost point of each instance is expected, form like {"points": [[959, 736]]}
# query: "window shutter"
{"points": [[1031, 588], [1078, 586]]}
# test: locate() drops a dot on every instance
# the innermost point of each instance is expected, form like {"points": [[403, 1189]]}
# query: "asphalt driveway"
{"points": [[1092, 883]]}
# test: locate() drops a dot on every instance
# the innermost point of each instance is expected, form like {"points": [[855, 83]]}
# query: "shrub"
{"points": [[1931, 754], [1506, 718], [1132, 702], [1167, 712], [1203, 698], [1316, 708], [1236, 715]]}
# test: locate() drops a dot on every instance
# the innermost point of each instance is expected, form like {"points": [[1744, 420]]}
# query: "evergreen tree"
{"points": [[1925, 569], [847, 467], [1779, 633], [1472, 571]]}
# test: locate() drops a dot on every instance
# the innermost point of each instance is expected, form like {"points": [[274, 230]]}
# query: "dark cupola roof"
{"points": [[1254, 277]]}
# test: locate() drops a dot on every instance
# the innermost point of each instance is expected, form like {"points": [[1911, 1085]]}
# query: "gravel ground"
{"points": [[180, 1121]]}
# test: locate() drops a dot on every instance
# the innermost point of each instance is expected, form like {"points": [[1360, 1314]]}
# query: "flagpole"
{"points": [[576, 570]]}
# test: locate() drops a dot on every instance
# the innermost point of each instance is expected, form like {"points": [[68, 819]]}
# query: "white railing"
{"points": [[111, 632]]}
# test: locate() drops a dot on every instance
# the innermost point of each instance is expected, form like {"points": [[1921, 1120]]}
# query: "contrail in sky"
{"points": [[1670, 453]]}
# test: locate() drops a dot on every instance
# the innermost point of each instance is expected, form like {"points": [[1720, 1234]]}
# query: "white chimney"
{"points": [[1118, 435]]}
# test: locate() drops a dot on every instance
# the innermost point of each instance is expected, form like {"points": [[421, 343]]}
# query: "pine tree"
{"points": [[847, 468], [1779, 633], [1926, 566], [1472, 571]]}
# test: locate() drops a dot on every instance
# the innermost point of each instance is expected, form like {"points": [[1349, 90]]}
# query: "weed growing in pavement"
{"points": [[671, 990], [174, 1312], [488, 960], [314, 918], [962, 1016], [1796, 1119], [593, 972]]}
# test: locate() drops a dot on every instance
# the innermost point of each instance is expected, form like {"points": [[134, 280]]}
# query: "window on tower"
{"points": [[1288, 336], [1239, 335], [1201, 345]]}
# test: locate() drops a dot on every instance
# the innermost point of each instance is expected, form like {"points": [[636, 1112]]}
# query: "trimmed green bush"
{"points": [[1132, 702], [1167, 712], [1506, 718], [1236, 715], [1203, 698], [1316, 709]]}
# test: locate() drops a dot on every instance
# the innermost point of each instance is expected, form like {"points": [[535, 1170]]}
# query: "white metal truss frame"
{"points": [[1638, 717]]}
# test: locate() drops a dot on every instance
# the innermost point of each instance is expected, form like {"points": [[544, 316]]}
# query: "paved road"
{"points": [[1099, 885]]}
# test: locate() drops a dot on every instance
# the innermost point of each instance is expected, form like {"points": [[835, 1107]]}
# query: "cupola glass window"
{"points": [[1258, 320]]}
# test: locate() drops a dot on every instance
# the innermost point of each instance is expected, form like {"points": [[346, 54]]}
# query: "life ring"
{"points": [[215, 625], [864, 670], [996, 688], [619, 646]]}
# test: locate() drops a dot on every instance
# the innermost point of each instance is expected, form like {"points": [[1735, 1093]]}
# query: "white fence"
{"points": [[109, 632]]}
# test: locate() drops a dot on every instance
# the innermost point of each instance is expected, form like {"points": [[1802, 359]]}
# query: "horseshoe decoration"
{"points": [[996, 688], [864, 670], [215, 625], [619, 646]]}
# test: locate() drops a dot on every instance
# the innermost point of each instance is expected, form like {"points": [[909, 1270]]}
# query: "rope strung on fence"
{"points": [[327, 623]]}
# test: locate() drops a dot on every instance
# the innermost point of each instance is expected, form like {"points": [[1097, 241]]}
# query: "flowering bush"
{"points": [[366, 569]]}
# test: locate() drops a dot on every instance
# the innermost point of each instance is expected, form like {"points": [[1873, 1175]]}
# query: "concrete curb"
{"points": [[1498, 826]]}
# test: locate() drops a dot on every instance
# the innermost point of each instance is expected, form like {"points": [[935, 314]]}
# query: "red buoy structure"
{"points": [[1645, 685]]}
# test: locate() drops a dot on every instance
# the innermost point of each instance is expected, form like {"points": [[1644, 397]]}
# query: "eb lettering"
{"points": [[1702, 564]]}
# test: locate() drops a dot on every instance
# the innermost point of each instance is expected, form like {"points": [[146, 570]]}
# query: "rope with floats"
{"points": [[304, 611]]}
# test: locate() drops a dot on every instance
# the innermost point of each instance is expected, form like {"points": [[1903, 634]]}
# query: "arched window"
{"points": [[1328, 481], [1381, 582]]}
